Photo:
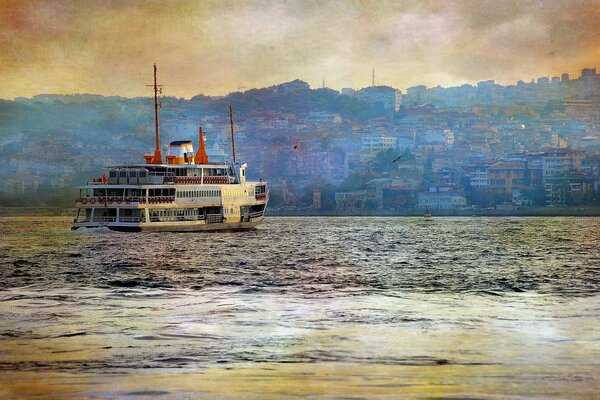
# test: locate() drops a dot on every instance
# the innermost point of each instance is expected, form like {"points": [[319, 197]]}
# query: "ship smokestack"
{"points": [[181, 152], [201, 157]]}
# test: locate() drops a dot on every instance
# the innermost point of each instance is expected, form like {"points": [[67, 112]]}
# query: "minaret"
{"points": [[323, 82], [373, 82]]}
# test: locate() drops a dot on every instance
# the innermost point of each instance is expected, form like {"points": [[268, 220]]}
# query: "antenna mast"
{"points": [[157, 156], [232, 135]]}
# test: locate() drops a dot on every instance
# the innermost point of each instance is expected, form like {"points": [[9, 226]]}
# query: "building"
{"points": [[506, 176], [357, 200], [323, 117], [387, 96], [561, 161], [445, 136], [479, 178], [317, 199], [570, 189], [378, 143], [398, 197], [442, 201], [398, 100]]}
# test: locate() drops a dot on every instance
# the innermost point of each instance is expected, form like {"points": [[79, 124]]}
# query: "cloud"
{"points": [[213, 47]]}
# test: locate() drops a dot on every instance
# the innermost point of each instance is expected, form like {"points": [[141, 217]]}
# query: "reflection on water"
{"points": [[316, 307]]}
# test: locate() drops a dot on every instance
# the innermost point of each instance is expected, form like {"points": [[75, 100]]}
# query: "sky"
{"points": [[216, 47]]}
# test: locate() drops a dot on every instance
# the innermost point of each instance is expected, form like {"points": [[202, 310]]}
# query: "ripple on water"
{"points": [[384, 291]]}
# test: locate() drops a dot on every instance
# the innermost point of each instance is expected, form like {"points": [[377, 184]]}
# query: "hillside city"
{"points": [[473, 147]]}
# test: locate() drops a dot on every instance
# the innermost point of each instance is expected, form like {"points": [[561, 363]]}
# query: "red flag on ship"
{"points": [[104, 180]]}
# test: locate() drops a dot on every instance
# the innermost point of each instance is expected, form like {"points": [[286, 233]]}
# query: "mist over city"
{"points": [[376, 149]]}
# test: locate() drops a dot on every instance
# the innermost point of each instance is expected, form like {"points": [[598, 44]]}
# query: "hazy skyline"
{"points": [[214, 47]]}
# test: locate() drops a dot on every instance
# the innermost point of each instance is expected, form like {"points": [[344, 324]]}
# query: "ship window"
{"points": [[112, 174], [142, 174], [133, 174], [122, 174]]}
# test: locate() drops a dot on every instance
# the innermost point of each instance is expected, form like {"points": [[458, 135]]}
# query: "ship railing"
{"points": [[159, 199], [104, 219], [101, 200], [216, 179], [201, 180], [188, 179], [170, 218], [130, 219], [157, 173], [214, 218]]}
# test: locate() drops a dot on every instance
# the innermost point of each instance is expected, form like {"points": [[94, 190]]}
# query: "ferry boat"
{"points": [[183, 193]]}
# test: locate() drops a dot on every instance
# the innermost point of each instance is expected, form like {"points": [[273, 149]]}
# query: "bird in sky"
{"points": [[397, 158]]}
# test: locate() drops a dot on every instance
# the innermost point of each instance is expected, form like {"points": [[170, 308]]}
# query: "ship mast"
{"points": [[157, 156], [232, 135]]}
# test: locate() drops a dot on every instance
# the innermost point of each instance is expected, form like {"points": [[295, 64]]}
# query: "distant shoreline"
{"points": [[532, 212]]}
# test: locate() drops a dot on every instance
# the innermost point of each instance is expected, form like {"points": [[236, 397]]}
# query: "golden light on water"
{"points": [[82, 320]]}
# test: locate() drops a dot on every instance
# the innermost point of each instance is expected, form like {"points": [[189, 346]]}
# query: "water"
{"points": [[352, 308]]}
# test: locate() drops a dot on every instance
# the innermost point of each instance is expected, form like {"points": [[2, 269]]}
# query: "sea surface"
{"points": [[318, 308]]}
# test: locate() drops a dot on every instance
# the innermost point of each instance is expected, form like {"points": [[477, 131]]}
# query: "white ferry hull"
{"points": [[184, 226]]}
